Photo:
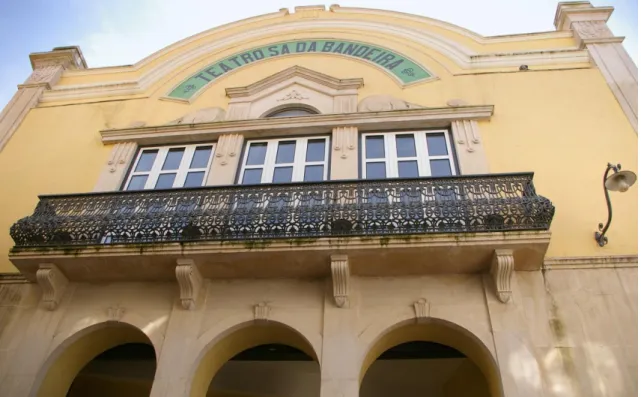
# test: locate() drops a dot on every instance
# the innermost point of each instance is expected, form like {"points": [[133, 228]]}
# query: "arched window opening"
{"points": [[126, 369], [291, 112], [423, 368], [274, 369]]}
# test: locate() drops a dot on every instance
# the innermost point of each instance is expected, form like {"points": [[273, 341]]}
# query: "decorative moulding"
{"points": [[591, 262], [501, 271], [344, 140], [340, 280], [261, 312], [421, 310], [294, 71], [205, 115], [53, 284], [189, 281], [461, 55], [293, 96], [228, 147], [383, 103], [466, 133], [115, 313], [314, 124], [12, 278]]}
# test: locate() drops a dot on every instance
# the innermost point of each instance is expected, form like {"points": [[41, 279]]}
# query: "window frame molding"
{"points": [[422, 157], [298, 165], [181, 173]]}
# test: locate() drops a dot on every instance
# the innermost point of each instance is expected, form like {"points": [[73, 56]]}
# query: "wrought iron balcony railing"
{"points": [[463, 204]]}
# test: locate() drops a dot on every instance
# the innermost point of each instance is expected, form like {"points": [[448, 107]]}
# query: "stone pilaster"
{"points": [[345, 153], [588, 24], [226, 160], [47, 69]]}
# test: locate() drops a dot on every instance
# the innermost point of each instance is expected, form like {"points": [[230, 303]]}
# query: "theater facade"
{"points": [[325, 201]]}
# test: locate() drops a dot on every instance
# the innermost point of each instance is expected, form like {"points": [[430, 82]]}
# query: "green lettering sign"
{"points": [[401, 67]]}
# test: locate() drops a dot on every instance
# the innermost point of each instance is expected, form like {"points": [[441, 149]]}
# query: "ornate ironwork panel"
{"points": [[461, 204]]}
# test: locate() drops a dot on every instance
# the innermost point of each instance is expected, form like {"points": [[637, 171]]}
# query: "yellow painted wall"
{"points": [[565, 125]]}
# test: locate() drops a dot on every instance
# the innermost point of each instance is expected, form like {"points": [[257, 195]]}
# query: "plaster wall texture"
{"points": [[565, 332]]}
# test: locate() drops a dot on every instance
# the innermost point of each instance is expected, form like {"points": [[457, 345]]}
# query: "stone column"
{"points": [[47, 69], [588, 23]]}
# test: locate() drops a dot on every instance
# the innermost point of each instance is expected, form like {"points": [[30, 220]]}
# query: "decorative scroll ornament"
{"points": [[227, 147], [462, 204], [115, 313], [340, 279], [261, 311], [53, 284], [293, 95], [382, 103], [189, 281], [501, 271], [421, 309], [119, 155], [466, 133], [344, 140]]}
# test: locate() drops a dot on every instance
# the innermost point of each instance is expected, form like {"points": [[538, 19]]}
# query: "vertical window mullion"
{"points": [[270, 162], [299, 159], [154, 173], [391, 160], [450, 153], [183, 167], [421, 152]]}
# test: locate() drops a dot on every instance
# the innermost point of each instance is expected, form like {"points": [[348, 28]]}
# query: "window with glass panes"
{"points": [[407, 154], [170, 167], [285, 160]]}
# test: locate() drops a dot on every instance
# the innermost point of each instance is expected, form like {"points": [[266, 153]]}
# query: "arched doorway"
{"points": [[258, 360], [436, 358], [107, 359]]}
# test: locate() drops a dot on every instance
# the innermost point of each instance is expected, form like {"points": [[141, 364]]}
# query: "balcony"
{"points": [[449, 223]]}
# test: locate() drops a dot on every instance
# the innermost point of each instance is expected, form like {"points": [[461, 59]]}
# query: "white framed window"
{"points": [[285, 160], [407, 154], [166, 167]]}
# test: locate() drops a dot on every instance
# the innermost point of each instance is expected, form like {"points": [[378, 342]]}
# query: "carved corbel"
{"points": [[261, 312], [501, 270], [190, 282], [53, 284], [466, 133], [421, 310], [115, 313], [340, 279]]}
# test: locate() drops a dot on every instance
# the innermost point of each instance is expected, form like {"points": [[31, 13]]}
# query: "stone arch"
{"points": [[440, 331], [216, 348], [289, 106], [68, 357]]}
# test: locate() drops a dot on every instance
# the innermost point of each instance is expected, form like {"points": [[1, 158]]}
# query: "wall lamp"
{"points": [[619, 181]]}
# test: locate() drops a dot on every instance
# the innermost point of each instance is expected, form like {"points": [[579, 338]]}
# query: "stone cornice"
{"points": [[294, 71], [572, 11], [591, 262], [12, 278], [316, 124]]}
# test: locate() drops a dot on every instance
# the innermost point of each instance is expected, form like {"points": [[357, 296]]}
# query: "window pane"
{"points": [[256, 154], [146, 160], [137, 182], [407, 169], [283, 174], [405, 146], [201, 157], [252, 176], [173, 159], [315, 150], [376, 170], [436, 145], [194, 179], [374, 147], [314, 173], [165, 181], [440, 167], [285, 153]]}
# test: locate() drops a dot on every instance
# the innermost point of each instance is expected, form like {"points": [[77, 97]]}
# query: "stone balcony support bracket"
{"points": [[501, 271], [340, 279], [53, 284], [189, 281]]}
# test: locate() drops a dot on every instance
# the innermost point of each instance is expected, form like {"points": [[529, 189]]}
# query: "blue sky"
{"points": [[121, 32]]}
